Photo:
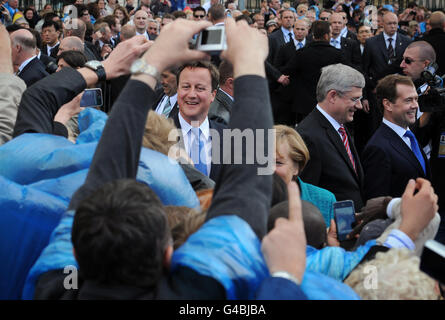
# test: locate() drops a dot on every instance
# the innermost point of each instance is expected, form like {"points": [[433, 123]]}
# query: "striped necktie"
{"points": [[345, 140]]}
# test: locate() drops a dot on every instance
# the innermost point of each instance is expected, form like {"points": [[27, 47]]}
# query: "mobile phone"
{"points": [[344, 214], [212, 40], [432, 261], [92, 98]]}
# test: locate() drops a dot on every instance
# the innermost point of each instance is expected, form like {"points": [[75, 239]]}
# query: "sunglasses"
{"points": [[199, 16], [324, 18], [409, 61]]}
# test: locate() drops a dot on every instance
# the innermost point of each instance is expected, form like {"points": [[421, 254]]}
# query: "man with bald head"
{"points": [[350, 48], [70, 43], [140, 21], [128, 31], [77, 28], [24, 59], [382, 56], [436, 38]]}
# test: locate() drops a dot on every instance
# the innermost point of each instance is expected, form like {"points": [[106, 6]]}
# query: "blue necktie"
{"points": [[334, 43], [300, 45], [415, 148], [196, 151]]}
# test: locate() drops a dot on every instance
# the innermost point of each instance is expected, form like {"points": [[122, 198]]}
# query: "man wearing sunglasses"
{"points": [[199, 13], [430, 127], [381, 56]]}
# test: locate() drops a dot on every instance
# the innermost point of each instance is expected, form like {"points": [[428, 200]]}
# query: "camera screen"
{"points": [[344, 219], [211, 37], [91, 98]]}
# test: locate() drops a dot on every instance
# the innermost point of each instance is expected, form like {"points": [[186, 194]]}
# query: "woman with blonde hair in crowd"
{"points": [[292, 156]]}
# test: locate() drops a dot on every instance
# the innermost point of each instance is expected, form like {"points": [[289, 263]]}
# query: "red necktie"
{"points": [[345, 140]]}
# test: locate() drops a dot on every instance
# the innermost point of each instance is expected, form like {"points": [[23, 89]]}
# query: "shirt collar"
{"points": [[286, 32], [24, 63], [186, 127], [387, 37], [344, 32], [231, 98], [397, 129], [331, 120]]}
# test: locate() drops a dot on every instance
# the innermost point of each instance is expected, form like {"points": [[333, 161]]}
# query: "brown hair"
{"points": [[387, 88]]}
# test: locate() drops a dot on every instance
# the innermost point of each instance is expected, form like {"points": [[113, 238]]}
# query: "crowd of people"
{"points": [[193, 175]]}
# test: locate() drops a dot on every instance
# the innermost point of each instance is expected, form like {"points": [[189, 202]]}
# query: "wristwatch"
{"points": [[97, 67], [140, 66]]}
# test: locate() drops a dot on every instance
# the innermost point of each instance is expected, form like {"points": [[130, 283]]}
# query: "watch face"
{"points": [[94, 64], [137, 66]]}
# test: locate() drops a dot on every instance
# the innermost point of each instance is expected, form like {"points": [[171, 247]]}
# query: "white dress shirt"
{"points": [[303, 43], [399, 130], [188, 137], [163, 102], [50, 48]]}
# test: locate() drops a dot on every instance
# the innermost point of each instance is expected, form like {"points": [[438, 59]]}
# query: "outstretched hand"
{"points": [[172, 45], [122, 57], [284, 247], [417, 209]]}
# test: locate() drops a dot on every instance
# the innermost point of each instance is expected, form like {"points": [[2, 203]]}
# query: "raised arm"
{"points": [[41, 101], [118, 151], [242, 189]]}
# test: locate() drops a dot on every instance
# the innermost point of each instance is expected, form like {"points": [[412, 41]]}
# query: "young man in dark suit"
{"points": [[284, 95], [393, 156], [26, 64], [282, 35], [197, 84], [305, 67], [334, 163]]}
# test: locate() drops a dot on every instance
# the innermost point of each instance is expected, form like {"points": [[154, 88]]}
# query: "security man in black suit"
{"points": [[305, 67]]}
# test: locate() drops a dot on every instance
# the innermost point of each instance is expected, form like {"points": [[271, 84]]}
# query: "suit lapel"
{"points": [[401, 147], [335, 139], [382, 45]]}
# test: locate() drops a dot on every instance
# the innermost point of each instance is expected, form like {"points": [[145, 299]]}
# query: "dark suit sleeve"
{"points": [[272, 72], [241, 188], [377, 168], [41, 101], [123, 131], [356, 59]]}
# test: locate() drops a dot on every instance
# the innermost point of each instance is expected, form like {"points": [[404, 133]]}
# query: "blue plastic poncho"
{"points": [[38, 175]]}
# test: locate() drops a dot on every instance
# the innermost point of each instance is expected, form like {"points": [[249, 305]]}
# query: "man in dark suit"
{"points": [[167, 102], [350, 48], [197, 84], [282, 35], [283, 96], [436, 37], [50, 36], [393, 155], [334, 163], [221, 108], [380, 58], [305, 67], [26, 64]]}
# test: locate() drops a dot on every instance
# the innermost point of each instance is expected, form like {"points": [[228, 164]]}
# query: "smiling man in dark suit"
{"points": [[197, 84], [382, 55], [334, 163], [26, 64], [393, 155]]}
